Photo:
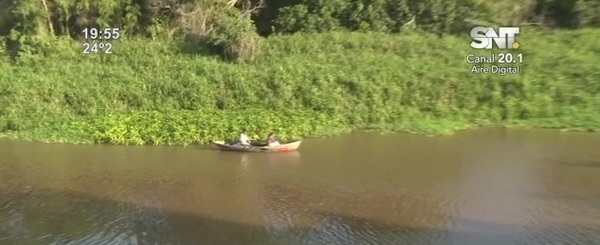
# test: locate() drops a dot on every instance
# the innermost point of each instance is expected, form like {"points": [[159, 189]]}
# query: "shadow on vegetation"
{"points": [[198, 45], [562, 13]]}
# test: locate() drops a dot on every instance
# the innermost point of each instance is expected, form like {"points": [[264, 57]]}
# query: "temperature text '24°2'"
{"points": [[99, 47]]}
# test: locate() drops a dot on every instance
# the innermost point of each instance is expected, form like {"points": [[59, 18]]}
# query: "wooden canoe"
{"points": [[287, 147]]}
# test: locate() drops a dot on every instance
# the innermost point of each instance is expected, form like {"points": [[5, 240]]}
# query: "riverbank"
{"points": [[171, 92]]}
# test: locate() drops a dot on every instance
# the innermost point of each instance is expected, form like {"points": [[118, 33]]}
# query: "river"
{"points": [[486, 186]]}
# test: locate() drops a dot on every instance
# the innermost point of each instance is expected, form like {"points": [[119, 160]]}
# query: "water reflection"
{"points": [[35, 219], [242, 169], [245, 160], [284, 158], [318, 217], [474, 188]]}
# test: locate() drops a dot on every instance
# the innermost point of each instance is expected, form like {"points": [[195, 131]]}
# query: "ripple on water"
{"points": [[346, 196], [563, 221], [341, 215]]}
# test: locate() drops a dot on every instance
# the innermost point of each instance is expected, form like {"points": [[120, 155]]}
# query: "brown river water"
{"points": [[480, 187]]}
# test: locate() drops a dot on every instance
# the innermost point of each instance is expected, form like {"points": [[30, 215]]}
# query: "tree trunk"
{"points": [[48, 17]]}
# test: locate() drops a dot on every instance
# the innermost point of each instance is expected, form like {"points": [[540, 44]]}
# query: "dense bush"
{"points": [[407, 82], [375, 15], [166, 67], [228, 26]]}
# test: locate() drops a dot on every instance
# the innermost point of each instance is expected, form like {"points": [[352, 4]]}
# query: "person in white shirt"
{"points": [[272, 140], [244, 140]]}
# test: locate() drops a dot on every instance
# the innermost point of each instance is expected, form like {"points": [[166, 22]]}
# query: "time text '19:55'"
{"points": [[109, 33]]}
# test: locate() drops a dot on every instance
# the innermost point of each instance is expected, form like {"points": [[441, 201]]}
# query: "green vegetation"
{"points": [[181, 127], [341, 67]]}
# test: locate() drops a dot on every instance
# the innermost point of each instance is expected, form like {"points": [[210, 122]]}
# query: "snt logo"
{"points": [[484, 37]]}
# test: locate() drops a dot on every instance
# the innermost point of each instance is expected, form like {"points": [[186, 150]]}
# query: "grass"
{"points": [[169, 92]]}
